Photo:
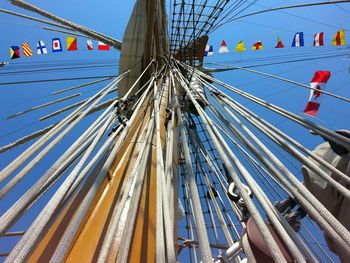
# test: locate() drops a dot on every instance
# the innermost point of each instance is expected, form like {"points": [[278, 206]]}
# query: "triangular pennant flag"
{"points": [[27, 52], [298, 40], [318, 83], [56, 45], [90, 46], [14, 52], [258, 45], [279, 43], [318, 39], [240, 47], [223, 48], [339, 38], [41, 48], [72, 44], [102, 46]]}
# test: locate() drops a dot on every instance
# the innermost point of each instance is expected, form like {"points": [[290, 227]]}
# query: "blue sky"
{"points": [[110, 17]]}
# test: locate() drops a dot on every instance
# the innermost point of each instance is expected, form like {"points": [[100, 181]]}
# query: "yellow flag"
{"points": [[339, 38], [240, 47], [71, 43]]}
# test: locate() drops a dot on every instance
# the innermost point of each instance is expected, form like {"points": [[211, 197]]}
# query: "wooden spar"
{"points": [[186, 53]]}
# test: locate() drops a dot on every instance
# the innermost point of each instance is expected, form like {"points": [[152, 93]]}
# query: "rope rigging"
{"points": [[111, 169]]}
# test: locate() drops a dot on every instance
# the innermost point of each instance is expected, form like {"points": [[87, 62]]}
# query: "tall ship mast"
{"points": [[169, 160]]}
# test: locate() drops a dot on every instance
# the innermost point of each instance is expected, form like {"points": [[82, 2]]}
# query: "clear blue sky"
{"points": [[110, 17]]}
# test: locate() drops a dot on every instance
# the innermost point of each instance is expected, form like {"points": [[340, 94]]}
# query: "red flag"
{"points": [[258, 45], [318, 39], [102, 46], [279, 43], [223, 48], [317, 84], [90, 46], [72, 44]]}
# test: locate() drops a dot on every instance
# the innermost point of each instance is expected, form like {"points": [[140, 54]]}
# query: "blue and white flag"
{"points": [[41, 48], [56, 45], [298, 40], [209, 51]]}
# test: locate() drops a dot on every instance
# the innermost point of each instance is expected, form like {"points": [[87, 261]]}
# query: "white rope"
{"points": [[43, 106], [160, 249], [162, 185], [271, 244], [215, 204], [265, 202], [18, 177], [64, 244], [339, 139], [313, 206], [338, 231], [43, 184], [134, 196], [194, 196], [10, 168], [115, 219], [23, 248], [250, 116]]}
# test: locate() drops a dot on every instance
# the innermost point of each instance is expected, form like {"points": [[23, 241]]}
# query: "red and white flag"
{"points": [[102, 46], [318, 83], [318, 39], [90, 46], [223, 48]]}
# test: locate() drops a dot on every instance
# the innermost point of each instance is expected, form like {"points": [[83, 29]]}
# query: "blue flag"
{"points": [[56, 45], [298, 40], [209, 51]]}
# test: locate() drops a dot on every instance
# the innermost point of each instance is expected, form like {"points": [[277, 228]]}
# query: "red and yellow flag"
{"points": [[258, 45], [27, 52], [72, 43], [279, 43], [339, 38]]}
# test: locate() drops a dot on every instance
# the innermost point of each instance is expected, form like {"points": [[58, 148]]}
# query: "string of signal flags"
{"points": [[298, 41], [56, 46]]}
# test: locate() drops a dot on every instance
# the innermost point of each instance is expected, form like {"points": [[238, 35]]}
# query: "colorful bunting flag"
{"points": [[41, 48], [258, 45], [206, 50], [14, 52], [27, 52], [56, 45], [279, 43], [339, 38], [209, 51], [318, 83], [72, 44], [102, 46], [298, 40], [240, 47], [90, 46], [318, 39], [223, 48]]}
